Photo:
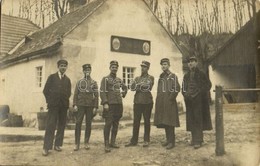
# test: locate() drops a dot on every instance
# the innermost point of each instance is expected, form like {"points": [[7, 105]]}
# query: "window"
{"points": [[39, 76], [128, 75]]}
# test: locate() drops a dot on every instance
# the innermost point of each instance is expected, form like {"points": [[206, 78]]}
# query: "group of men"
{"points": [[195, 90]]}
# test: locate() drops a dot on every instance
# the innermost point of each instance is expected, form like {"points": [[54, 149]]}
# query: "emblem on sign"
{"points": [[146, 47], [116, 43]]}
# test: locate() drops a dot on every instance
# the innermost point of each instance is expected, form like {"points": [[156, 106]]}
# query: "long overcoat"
{"points": [[197, 108], [166, 110]]}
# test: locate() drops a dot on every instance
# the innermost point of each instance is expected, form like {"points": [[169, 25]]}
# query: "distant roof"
{"points": [[53, 34], [240, 49], [13, 30]]}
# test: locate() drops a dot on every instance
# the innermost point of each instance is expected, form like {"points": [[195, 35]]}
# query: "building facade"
{"points": [[126, 31]]}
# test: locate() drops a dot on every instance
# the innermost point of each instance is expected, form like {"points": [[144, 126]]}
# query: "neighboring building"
{"points": [[13, 32], [235, 64], [104, 30]]}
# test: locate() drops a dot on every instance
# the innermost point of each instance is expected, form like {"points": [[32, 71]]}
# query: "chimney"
{"points": [[74, 4]]}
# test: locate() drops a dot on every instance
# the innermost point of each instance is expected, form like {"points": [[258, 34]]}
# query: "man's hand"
{"points": [[106, 107], [123, 94], [75, 108], [94, 111]]}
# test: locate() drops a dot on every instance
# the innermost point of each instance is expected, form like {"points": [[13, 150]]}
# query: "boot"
{"points": [[107, 148], [76, 148], [170, 146], [87, 147], [113, 141], [170, 134], [165, 143]]}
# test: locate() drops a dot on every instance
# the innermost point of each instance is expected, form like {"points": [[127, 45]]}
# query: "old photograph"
{"points": [[130, 82]]}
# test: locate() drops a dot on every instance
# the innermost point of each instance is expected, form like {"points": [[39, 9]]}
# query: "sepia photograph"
{"points": [[130, 82]]}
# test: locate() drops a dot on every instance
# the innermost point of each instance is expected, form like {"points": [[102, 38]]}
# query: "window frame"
{"points": [[128, 74], [39, 77]]}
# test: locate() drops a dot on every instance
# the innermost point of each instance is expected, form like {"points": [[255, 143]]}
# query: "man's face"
{"points": [[62, 68], [192, 64], [165, 66], [87, 71], [144, 69], [114, 69]]}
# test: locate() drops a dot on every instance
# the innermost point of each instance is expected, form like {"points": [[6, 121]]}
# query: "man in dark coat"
{"points": [[195, 90], [112, 90], [57, 92], [85, 102], [166, 110], [143, 104]]}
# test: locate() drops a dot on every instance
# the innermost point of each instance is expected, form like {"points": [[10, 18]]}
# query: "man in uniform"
{"points": [[143, 104], [112, 90], [57, 92], [166, 110], [85, 102], [195, 90]]}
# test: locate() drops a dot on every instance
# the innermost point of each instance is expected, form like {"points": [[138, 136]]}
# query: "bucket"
{"points": [[42, 118], [4, 111], [15, 120]]}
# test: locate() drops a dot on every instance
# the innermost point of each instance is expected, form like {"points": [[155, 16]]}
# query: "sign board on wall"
{"points": [[130, 45]]}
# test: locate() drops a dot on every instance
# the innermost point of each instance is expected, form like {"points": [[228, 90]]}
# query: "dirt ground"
{"points": [[242, 138]]}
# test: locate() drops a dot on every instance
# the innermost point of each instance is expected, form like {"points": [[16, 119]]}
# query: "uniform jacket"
{"points": [[143, 86], [166, 110], [57, 91], [112, 90], [203, 86], [86, 93]]}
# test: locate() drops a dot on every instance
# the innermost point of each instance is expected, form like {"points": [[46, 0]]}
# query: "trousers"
{"points": [[139, 111], [88, 113], [56, 117]]}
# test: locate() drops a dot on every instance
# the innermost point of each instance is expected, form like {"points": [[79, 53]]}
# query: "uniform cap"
{"points": [[62, 61], [114, 63], [85, 66], [165, 60], [145, 63]]}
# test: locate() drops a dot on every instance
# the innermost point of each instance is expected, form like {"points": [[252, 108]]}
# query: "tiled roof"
{"points": [[51, 35], [13, 30]]}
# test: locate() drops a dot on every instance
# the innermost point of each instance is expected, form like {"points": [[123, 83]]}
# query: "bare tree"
{"points": [[60, 7], [251, 5], [177, 14], [153, 4], [168, 15], [225, 15]]}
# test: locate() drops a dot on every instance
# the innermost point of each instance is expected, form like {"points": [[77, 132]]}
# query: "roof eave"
{"points": [[25, 57], [218, 52]]}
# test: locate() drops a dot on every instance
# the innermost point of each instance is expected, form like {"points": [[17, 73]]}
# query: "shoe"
{"points": [[191, 143], [114, 145], [45, 152], [165, 144], [197, 146], [76, 148], [107, 149], [113, 142], [87, 146], [170, 146], [146, 144], [130, 144], [58, 148]]}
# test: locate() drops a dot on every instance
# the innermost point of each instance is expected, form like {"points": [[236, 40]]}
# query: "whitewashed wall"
{"points": [[18, 88], [91, 42]]}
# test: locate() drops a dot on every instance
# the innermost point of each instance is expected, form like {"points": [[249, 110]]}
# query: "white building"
{"points": [[86, 35]]}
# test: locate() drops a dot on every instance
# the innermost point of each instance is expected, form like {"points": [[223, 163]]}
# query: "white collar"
{"points": [[61, 75]]}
